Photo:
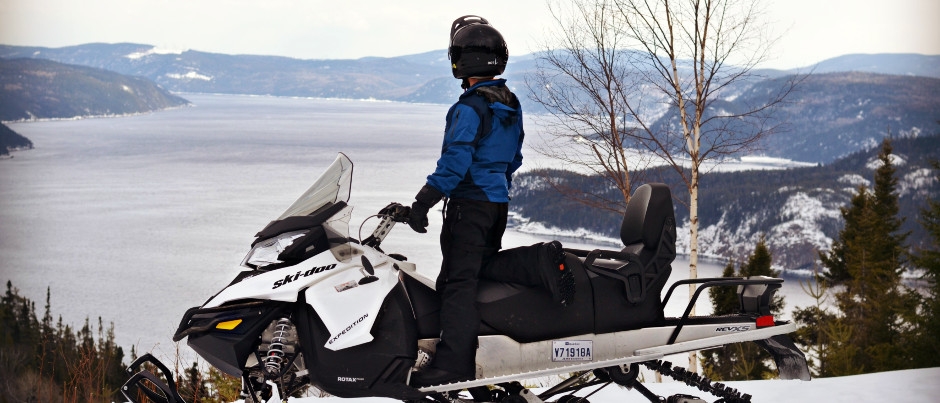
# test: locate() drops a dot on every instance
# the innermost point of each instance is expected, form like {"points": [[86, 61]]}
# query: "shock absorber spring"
{"points": [[279, 342]]}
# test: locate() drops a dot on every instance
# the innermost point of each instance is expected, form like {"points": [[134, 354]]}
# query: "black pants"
{"points": [[470, 243]]}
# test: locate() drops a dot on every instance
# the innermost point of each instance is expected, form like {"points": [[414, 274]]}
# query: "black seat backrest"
{"points": [[648, 232], [648, 220]]}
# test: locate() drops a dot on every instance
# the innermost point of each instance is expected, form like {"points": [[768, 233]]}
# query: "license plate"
{"points": [[572, 350]]}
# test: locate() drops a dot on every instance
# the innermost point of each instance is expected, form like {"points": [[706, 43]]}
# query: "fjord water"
{"points": [[135, 219]]}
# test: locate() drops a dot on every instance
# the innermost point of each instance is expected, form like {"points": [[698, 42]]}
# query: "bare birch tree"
{"points": [[655, 77], [584, 73]]}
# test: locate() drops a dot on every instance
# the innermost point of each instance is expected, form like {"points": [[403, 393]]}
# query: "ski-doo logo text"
{"points": [[288, 278], [733, 329], [348, 328]]}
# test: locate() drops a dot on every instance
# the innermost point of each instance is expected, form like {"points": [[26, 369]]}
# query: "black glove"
{"points": [[396, 211], [424, 200]]}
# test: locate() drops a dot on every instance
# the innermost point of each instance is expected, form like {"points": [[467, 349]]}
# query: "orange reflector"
{"points": [[228, 325], [765, 321]]}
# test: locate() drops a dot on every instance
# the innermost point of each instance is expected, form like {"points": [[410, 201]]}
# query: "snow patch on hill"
{"points": [[918, 181], [796, 230], [896, 160], [192, 75], [153, 51], [855, 180]]}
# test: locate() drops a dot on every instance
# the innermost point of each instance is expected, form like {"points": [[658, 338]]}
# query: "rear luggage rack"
{"points": [[754, 295]]}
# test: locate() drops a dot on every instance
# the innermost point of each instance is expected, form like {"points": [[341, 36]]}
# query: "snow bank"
{"points": [[918, 385]]}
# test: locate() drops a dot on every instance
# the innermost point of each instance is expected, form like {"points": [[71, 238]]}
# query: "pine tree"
{"points": [[741, 361], [724, 299], [927, 341], [193, 386], [867, 262], [40, 362], [816, 325], [835, 259], [719, 363], [760, 263]]}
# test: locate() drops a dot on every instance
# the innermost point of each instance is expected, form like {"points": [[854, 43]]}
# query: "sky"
{"points": [[809, 30]]}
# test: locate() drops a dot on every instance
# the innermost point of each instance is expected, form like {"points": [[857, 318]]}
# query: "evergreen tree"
{"points": [[719, 363], [927, 340], [193, 386], [867, 262], [760, 263], [741, 361], [815, 321], [227, 388], [835, 259], [724, 299], [42, 362]]}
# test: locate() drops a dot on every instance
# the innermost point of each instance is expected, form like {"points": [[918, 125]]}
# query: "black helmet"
{"points": [[476, 48]]}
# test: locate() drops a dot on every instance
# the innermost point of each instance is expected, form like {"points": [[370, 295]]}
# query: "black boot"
{"points": [[556, 276]]}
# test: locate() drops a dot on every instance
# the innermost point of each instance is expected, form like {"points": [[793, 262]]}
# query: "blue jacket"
{"points": [[477, 163]]}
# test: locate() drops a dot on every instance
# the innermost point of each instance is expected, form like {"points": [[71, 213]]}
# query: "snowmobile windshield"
{"points": [[333, 186], [327, 193]]}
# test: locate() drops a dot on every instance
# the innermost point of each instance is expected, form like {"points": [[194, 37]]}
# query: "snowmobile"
{"points": [[314, 306]]}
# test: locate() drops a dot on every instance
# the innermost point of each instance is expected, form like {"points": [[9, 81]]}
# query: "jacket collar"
{"points": [[500, 82]]}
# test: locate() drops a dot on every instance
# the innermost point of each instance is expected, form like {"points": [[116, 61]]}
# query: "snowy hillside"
{"points": [[921, 386], [796, 230], [794, 206]]}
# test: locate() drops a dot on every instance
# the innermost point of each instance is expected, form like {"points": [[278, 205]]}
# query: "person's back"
{"points": [[482, 144]]}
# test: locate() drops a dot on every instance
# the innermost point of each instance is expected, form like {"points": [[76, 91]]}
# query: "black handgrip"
{"points": [[633, 282], [396, 211], [625, 257]]}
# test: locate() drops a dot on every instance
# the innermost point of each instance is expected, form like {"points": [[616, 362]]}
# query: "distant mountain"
{"points": [[833, 113], [12, 141], [194, 71], [796, 209], [43, 89], [899, 64], [408, 78]]}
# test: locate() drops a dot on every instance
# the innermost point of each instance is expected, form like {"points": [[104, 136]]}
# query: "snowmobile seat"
{"points": [[628, 283], [615, 290]]}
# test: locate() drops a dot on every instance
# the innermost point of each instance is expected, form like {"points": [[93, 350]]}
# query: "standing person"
{"points": [[482, 148]]}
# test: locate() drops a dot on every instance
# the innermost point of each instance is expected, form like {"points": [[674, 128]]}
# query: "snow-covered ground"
{"points": [[920, 385]]}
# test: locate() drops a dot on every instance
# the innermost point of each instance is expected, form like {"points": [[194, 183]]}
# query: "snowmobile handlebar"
{"points": [[390, 214], [396, 212]]}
